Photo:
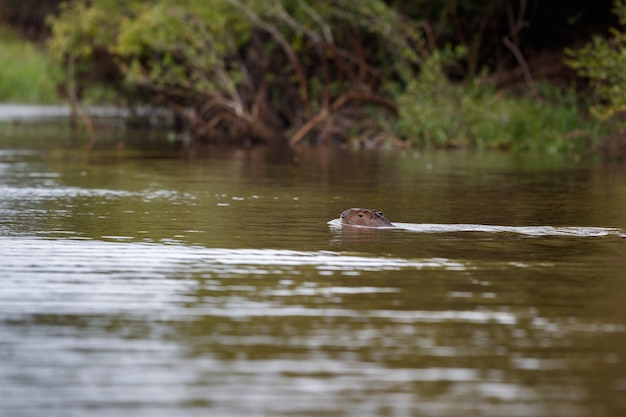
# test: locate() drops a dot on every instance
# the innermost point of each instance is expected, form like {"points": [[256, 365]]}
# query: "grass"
{"points": [[26, 73], [435, 112]]}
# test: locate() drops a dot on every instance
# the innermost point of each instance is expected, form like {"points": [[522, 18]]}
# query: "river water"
{"points": [[138, 278]]}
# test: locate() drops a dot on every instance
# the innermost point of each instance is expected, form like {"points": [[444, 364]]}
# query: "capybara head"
{"points": [[365, 217]]}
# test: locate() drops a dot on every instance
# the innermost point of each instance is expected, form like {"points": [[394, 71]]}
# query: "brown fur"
{"points": [[365, 217]]}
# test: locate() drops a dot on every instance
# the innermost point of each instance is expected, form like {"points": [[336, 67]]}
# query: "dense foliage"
{"points": [[603, 60], [434, 111], [26, 79], [260, 70], [481, 73]]}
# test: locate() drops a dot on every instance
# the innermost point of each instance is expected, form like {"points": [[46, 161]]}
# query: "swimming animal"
{"points": [[365, 218]]}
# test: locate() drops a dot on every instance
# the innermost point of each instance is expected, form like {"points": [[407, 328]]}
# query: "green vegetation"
{"points": [[294, 71], [603, 61], [240, 70], [26, 71], [433, 111]]}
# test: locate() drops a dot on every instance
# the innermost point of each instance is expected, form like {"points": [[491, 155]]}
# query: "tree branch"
{"points": [[278, 37], [342, 100], [522, 62]]}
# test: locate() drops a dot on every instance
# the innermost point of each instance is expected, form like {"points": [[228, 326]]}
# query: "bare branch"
{"points": [[328, 35], [278, 37], [342, 100], [287, 18], [525, 68]]}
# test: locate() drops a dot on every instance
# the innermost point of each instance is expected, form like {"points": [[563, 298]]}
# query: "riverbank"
{"points": [[34, 112], [29, 79], [432, 111]]}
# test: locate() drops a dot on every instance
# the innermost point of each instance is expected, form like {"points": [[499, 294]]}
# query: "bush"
{"points": [[436, 112], [242, 70], [602, 61], [27, 79]]}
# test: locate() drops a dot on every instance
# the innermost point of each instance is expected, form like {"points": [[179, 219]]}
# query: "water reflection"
{"points": [[245, 326], [179, 284]]}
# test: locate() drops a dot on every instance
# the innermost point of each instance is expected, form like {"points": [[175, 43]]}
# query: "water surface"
{"points": [[150, 280]]}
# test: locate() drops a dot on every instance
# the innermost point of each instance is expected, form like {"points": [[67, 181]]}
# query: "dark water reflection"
{"points": [[160, 282]]}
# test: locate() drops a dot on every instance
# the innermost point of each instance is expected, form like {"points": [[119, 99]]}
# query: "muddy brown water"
{"points": [[154, 281]]}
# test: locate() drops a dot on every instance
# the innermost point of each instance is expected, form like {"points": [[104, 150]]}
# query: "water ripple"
{"points": [[522, 230], [81, 256], [66, 276]]}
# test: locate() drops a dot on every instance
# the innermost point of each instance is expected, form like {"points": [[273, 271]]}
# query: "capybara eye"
{"points": [[360, 214]]}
